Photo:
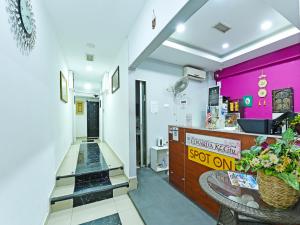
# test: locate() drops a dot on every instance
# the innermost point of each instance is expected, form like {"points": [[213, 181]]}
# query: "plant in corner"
{"points": [[278, 169], [295, 123]]}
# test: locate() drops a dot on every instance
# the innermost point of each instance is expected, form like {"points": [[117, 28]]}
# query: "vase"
{"points": [[275, 192]]}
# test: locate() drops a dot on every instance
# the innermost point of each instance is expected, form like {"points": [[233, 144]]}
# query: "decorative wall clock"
{"points": [[22, 23]]}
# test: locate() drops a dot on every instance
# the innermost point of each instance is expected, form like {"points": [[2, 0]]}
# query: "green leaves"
{"points": [[255, 150], [288, 137], [281, 159], [277, 147], [289, 179], [260, 139]]}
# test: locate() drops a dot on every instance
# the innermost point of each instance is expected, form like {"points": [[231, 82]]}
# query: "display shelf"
{"points": [[158, 156]]}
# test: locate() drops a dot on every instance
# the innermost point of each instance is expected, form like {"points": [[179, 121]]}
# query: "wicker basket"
{"points": [[276, 192]]}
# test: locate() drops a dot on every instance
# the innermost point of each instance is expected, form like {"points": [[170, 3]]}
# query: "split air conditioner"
{"points": [[194, 73]]}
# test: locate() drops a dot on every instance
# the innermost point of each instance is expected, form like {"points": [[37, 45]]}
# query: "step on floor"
{"points": [[69, 196], [115, 211], [97, 174], [88, 158]]}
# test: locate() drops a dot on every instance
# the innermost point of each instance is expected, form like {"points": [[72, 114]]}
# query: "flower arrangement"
{"points": [[295, 123], [281, 159]]}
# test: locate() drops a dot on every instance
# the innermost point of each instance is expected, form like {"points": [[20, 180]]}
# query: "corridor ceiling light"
{"points": [[89, 68], [180, 28], [87, 86], [225, 45], [266, 25]]}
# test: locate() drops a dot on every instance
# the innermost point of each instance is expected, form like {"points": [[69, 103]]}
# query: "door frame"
{"points": [[87, 117], [143, 122]]}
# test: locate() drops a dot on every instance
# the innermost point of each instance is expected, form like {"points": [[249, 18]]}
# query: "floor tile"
{"points": [[111, 159], [93, 211], [130, 217], [63, 190], [123, 203], [118, 179], [60, 218], [69, 163]]}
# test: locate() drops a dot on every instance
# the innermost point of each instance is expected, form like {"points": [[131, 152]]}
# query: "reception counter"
{"points": [[217, 150]]}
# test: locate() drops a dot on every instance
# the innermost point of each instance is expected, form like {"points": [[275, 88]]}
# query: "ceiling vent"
{"points": [[90, 57], [222, 28]]}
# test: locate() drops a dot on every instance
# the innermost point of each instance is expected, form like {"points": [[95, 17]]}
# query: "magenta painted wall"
{"points": [[282, 71]]}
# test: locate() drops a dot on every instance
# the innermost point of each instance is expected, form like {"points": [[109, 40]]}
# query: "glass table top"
{"points": [[244, 200]]}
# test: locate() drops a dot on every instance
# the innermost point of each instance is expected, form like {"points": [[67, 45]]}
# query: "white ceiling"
{"points": [[105, 23], [200, 44], [243, 16]]}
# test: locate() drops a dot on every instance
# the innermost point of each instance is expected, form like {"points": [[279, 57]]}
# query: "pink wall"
{"points": [[282, 69]]}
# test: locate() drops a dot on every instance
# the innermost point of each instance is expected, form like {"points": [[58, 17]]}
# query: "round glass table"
{"points": [[243, 204]]}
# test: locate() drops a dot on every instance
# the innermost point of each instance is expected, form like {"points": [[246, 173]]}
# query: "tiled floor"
{"points": [[86, 213]]}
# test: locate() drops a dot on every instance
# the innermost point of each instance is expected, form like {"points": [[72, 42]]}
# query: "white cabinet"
{"points": [[159, 158]]}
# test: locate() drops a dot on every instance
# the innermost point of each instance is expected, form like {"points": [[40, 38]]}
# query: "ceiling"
{"points": [[200, 44], [104, 24]]}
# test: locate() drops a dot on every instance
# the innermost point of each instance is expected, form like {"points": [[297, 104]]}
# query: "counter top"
{"points": [[227, 131]]}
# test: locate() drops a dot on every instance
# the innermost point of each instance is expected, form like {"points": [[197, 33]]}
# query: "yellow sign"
{"points": [[210, 159]]}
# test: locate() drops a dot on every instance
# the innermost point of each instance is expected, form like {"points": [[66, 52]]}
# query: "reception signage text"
{"points": [[211, 159], [223, 146]]}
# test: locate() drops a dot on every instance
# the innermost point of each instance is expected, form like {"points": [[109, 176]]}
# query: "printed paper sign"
{"points": [[211, 159], [175, 134], [223, 146]]}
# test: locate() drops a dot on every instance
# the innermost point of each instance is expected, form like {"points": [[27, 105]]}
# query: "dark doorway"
{"points": [[140, 112], [92, 119]]}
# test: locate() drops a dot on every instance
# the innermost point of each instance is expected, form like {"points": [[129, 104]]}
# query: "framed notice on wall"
{"points": [[283, 100], [213, 96]]}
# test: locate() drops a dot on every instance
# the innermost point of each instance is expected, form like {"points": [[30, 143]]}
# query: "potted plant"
{"points": [[278, 169], [295, 123]]}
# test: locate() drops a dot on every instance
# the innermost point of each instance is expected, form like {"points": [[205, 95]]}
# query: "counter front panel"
{"points": [[185, 173]]}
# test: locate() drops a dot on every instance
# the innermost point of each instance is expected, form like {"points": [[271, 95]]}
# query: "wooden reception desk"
{"points": [[185, 173]]}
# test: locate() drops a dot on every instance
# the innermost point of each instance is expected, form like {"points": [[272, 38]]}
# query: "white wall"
{"points": [[159, 76], [142, 34], [116, 110], [81, 120], [36, 126]]}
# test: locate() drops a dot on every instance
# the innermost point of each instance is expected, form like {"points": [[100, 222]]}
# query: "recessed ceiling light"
{"points": [[225, 45], [89, 68], [87, 86], [180, 28], [266, 25]]}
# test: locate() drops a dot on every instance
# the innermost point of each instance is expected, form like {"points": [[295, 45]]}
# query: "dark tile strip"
{"points": [[108, 220], [90, 159], [89, 191]]}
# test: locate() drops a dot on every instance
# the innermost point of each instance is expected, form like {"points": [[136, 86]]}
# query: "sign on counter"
{"points": [[211, 159], [175, 133], [223, 146]]}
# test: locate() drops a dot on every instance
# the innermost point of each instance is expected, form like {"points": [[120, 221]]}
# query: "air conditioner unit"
{"points": [[194, 73]]}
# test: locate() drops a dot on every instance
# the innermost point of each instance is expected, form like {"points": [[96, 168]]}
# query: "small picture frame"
{"points": [[63, 88], [115, 81], [79, 107]]}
